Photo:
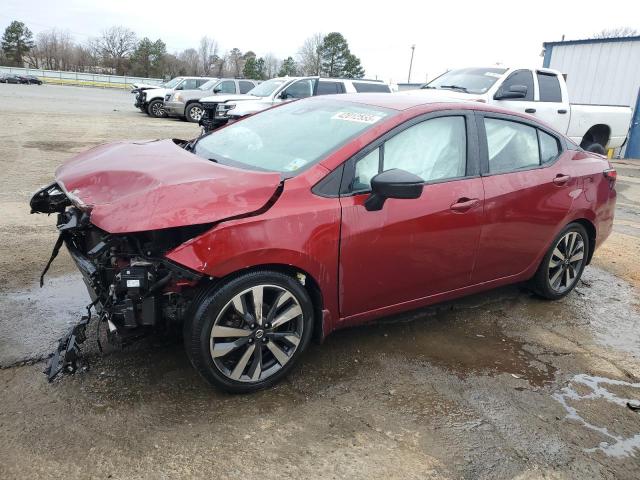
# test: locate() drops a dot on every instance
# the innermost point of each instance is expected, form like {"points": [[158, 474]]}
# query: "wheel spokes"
{"points": [[278, 353], [220, 349], [289, 314], [219, 331], [242, 363], [257, 294]]}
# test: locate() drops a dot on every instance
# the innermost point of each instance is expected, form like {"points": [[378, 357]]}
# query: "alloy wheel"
{"points": [[157, 109], [195, 113], [566, 261], [256, 333]]}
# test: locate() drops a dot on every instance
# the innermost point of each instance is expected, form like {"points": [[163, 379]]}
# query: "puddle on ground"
{"points": [[34, 319], [585, 393], [67, 146]]}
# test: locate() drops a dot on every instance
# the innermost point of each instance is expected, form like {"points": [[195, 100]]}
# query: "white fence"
{"points": [[81, 79]]}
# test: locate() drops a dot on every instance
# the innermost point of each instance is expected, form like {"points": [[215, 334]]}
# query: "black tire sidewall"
{"points": [[188, 112], [541, 280], [198, 328]]}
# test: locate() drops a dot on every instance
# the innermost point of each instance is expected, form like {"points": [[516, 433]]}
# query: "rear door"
{"points": [[528, 193], [412, 249]]}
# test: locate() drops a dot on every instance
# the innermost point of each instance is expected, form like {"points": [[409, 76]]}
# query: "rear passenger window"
{"points": [[362, 87], [511, 145], [245, 86], [549, 86], [521, 77], [329, 88], [201, 82], [549, 148]]}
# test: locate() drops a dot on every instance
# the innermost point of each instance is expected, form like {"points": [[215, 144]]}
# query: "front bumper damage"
{"points": [[134, 290]]}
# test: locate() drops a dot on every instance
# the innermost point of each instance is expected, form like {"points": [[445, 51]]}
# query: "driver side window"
{"points": [[521, 77], [435, 149], [300, 89]]}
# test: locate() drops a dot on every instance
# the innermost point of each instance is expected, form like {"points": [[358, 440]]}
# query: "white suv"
{"points": [[151, 100], [218, 110]]}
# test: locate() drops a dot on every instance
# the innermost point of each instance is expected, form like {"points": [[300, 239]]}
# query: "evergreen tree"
{"points": [[16, 43], [288, 68], [334, 53], [352, 67], [147, 58], [253, 68]]}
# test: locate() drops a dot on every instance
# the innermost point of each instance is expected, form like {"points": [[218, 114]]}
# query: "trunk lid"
{"points": [[150, 185]]}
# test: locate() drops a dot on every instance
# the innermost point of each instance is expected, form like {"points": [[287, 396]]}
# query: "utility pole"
{"points": [[413, 48]]}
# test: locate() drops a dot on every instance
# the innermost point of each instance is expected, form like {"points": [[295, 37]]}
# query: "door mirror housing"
{"points": [[514, 91], [283, 95], [217, 90], [394, 183]]}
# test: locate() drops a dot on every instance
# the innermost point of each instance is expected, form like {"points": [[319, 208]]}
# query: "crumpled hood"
{"points": [[150, 185]]}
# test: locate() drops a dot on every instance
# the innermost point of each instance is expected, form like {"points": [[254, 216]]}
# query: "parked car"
{"points": [[540, 92], [151, 100], [321, 214], [10, 78], [30, 79], [222, 108], [186, 104]]}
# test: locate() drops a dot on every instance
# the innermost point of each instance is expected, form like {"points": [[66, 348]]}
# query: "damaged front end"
{"points": [[134, 289]]}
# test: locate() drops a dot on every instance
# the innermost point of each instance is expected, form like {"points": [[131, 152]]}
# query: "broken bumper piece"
{"points": [[67, 356]]}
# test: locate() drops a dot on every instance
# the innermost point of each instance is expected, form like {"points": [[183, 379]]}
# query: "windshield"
{"points": [[172, 83], [290, 137], [208, 85], [468, 80], [266, 88]]}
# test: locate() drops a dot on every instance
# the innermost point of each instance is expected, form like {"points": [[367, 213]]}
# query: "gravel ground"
{"points": [[498, 385]]}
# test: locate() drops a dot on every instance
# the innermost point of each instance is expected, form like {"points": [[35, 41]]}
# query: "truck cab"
{"points": [[540, 92]]}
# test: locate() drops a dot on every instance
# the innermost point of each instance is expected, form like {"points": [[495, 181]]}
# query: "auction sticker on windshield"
{"points": [[357, 117]]}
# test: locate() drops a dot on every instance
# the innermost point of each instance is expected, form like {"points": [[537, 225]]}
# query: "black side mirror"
{"points": [[217, 90], [284, 95], [394, 183], [514, 91]]}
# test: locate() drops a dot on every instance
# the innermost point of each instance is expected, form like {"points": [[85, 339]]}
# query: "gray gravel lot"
{"points": [[498, 385]]}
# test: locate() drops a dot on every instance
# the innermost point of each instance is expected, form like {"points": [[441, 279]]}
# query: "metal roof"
{"points": [[592, 40]]}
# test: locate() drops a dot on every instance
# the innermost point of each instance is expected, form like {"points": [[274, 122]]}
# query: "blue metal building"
{"points": [[602, 71]]}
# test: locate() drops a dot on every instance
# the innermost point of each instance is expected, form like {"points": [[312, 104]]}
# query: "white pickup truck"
{"points": [[540, 92]]}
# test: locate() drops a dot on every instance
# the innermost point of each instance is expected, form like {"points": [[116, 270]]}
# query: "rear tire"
{"points": [[247, 334], [156, 109], [563, 264]]}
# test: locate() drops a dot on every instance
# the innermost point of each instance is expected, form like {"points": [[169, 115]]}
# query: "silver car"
{"points": [[185, 103]]}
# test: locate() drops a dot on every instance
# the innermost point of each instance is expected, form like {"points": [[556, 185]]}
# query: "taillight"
{"points": [[611, 175]]}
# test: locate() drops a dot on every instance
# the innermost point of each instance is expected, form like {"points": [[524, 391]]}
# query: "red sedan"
{"points": [[321, 214]]}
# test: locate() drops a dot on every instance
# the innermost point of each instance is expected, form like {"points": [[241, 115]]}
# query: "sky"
{"points": [[446, 34]]}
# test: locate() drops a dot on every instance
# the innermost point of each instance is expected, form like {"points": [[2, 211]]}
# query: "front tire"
{"points": [[247, 334], [156, 109], [562, 266], [193, 113]]}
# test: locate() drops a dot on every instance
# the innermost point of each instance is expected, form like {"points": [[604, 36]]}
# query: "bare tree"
{"points": [[208, 50], [191, 60], [115, 45], [235, 62], [616, 32], [271, 65], [308, 56], [54, 50]]}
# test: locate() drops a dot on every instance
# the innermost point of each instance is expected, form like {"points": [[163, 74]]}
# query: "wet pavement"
{"points": [[497, 385]]}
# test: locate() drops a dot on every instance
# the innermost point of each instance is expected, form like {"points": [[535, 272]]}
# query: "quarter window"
{"points": [[435, 149], [511, 145], [521, 77], [549, 86], [549, 149], [245, 86]]}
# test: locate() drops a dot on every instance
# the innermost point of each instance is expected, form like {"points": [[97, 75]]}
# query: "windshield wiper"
{"points": [[427, 87], [454, 87]]}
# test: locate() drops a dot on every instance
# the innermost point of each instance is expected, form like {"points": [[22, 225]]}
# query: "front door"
{"points": [[412, 249]]}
